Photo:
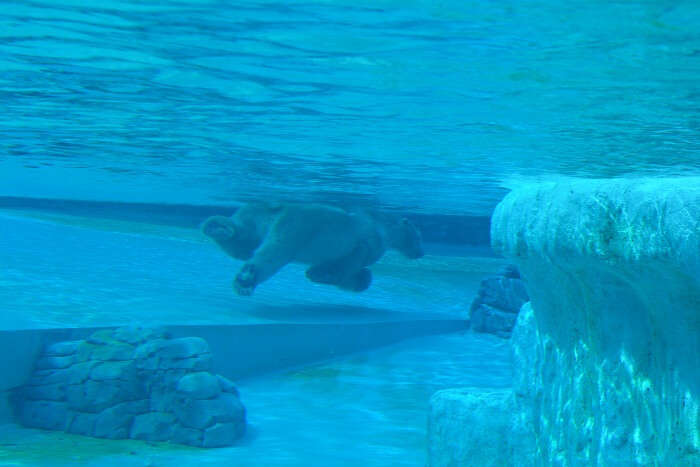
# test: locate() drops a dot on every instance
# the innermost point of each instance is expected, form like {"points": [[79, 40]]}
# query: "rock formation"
{"points": [[132, 383]]}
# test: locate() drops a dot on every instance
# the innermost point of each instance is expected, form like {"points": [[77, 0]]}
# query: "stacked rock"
{"points": [[132, 383], [496, 306]]}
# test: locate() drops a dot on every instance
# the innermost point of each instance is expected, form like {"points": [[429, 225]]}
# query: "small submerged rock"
{"points": [[496, 306]]}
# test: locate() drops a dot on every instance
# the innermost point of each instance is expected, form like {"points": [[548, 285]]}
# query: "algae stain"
{"points": [[39, 447], [315, 373]]}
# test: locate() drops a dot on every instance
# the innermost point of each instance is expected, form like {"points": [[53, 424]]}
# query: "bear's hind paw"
{"points": [[218, 228]]}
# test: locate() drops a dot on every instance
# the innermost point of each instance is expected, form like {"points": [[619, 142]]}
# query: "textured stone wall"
{"points": [[607, 362], [132, 383]]}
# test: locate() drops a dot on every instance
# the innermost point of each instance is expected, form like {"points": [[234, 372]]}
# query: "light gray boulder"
{"points": [[470, 427]]}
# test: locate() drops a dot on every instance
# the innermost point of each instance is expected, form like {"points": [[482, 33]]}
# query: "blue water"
{"points": [[431, 106], [58, 275], [424, 107]]}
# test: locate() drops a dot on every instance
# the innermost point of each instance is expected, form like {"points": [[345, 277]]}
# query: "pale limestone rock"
{"points": [[607, 366], [469, 427]]}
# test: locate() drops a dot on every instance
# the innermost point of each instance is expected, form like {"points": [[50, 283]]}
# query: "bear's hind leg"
{"points": [[347, 272], [354, 281], [358, 282], [330, 272]]}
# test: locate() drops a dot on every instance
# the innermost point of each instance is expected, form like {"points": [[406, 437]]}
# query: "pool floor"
{"points": [[368, 409]]}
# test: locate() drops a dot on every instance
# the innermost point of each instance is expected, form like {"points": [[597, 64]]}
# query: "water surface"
{"points": [[422, 105]]}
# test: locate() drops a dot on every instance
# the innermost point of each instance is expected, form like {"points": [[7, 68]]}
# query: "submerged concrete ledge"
{"points": [[607, 364], [238, 351]]}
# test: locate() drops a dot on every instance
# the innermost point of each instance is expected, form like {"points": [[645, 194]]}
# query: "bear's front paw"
{"points": [[244, 283]]}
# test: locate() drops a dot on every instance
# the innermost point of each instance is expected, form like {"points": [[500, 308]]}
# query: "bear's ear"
{"points": [[410, 243]]}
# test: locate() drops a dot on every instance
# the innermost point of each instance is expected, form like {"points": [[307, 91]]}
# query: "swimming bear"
{"points": [[338, 245]]}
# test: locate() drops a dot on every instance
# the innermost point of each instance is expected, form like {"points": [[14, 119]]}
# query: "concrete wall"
{"points": [[18, 351], [445, 229]]}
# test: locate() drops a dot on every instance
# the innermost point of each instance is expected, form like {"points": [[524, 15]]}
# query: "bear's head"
{"points": [[407, 239], [236, 240]]}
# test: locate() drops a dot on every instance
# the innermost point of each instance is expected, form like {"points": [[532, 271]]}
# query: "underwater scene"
{"points": [[350, 233]]}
